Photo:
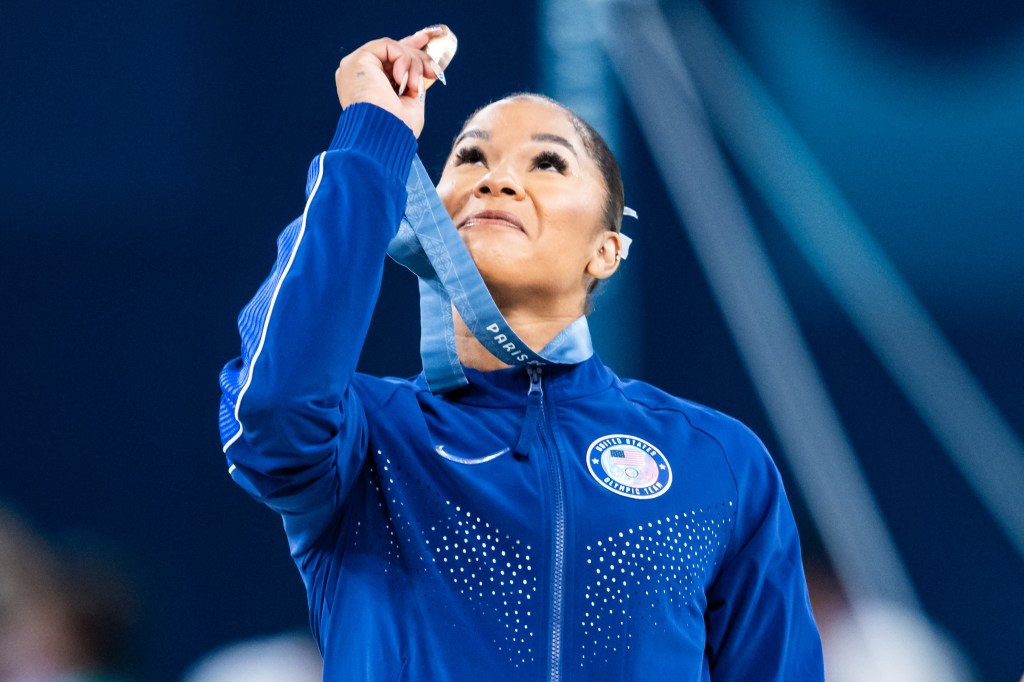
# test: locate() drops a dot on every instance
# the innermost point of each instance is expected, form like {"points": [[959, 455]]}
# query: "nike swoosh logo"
{"points": [[470, 460]]}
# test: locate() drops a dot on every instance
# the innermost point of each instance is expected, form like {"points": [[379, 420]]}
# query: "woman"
{"points": [[556, 523]]}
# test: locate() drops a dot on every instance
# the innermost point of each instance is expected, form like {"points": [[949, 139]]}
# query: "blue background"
{"points": [[150, 153]]}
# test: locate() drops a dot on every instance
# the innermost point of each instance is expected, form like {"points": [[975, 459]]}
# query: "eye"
{"points": [[550, 161], [470, 155]]}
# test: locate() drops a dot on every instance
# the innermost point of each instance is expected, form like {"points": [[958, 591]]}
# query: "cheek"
{"points": [[446, 191], [454, 190], [573, 218]]}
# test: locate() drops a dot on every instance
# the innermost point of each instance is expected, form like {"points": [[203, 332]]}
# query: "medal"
{"points": [[441, 47]]}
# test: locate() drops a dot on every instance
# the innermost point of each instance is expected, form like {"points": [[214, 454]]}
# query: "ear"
{"points": [[606, 258]]}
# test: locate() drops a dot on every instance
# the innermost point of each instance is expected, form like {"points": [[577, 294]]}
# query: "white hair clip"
{"points": [[627, 212]]}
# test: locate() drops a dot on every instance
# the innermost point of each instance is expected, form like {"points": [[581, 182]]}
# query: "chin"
{"points": [[500, 270], [497, 253]]}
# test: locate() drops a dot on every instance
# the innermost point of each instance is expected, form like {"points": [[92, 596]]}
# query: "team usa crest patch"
{"points": [[629, 466]]}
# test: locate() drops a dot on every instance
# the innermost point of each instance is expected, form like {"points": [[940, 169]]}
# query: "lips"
{"points": [[494, 217]]}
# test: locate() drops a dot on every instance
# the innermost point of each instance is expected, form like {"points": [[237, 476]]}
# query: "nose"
{"points": [[499, 181]]}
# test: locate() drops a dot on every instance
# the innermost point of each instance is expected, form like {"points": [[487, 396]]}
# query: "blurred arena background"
{"points": [[829, 248]]}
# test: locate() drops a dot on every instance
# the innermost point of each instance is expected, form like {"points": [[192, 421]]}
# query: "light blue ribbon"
{"points": [[429, 245]]}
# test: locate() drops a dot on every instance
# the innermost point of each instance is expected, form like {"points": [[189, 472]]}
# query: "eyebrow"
{"points": [[536, 137], [472, 132], [557, 139]]}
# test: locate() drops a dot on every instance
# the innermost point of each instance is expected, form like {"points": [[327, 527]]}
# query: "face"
{"points": [[529, 202]]}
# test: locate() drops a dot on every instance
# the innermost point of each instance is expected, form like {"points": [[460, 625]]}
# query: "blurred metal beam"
{"points": [[755, 307], [883, 307]]}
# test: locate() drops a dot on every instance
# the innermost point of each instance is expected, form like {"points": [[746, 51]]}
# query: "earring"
{"points": [[618, 254]]}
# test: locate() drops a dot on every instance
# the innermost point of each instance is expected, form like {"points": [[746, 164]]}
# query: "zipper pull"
{"points": [[534, 405]]}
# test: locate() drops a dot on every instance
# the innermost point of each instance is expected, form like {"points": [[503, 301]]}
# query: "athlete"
{"points": [[547, 522]]}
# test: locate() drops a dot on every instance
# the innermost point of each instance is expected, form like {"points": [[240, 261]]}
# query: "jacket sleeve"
{"points": [[759, 621], [292, 428]]}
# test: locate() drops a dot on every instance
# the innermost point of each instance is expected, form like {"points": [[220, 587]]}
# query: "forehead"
{"points": [[524, 117]]}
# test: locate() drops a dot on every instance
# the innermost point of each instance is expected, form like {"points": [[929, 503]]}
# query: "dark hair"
{"points": [[598, 151]]}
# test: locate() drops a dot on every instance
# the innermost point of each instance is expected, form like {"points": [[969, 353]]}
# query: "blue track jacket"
{"points": [[561, 524]]}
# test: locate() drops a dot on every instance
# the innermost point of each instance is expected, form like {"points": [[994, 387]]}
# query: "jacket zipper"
{"points": [[529, 433], [535, 399]]}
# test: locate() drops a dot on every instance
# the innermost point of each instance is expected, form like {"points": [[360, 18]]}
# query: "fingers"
{"points": [[407, 73], [400, 69], [412, 71], [418, 40], [405, 63]]}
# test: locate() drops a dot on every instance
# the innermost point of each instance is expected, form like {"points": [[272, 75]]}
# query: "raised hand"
{"points": [[391, 74]]}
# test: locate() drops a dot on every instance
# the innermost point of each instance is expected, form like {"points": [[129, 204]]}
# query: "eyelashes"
{"points": [[469, 155], [547, 160], [544, 161]]}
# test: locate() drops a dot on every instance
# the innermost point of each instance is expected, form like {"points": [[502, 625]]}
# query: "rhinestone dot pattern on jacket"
{"points": [[648, 572], [642, 576], [494, 572], [491, 569]]}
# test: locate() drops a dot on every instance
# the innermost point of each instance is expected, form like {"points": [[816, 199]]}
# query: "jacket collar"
{"points": [[509, 386]]}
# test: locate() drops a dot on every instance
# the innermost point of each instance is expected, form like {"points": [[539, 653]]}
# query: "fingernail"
{"points": [[437, 69], [423, 90], [405, 81]]}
